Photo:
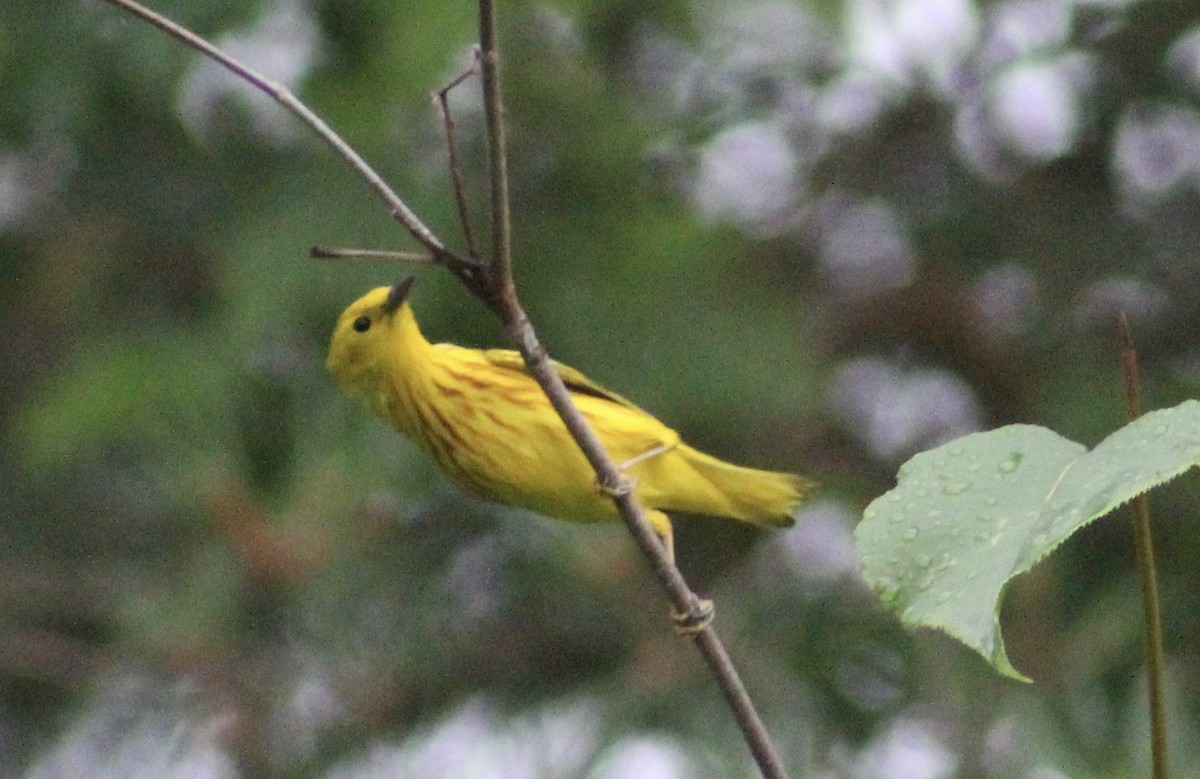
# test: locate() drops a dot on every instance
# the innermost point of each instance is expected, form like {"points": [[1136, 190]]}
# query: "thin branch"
{"points": [[493, 284], [609, 476], [442, 103], [466, 269], [1144, 543], [344, 253], [501, 222]]}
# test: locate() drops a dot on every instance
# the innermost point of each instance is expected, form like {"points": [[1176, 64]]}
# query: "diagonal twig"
{"points": [[493, 284], [609, 476], [465, 268], [344, 253], [442, 103]]}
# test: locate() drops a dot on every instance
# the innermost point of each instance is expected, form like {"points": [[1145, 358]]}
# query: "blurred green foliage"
{"points": [[202, 535]]}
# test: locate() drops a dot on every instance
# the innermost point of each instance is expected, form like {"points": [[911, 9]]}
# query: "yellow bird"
{"points": [[493, 432]]}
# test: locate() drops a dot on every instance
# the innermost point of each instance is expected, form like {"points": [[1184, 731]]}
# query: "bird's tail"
{"points": [[762, 497]]}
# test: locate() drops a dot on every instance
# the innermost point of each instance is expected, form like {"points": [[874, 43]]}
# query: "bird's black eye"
{"points": [[362, 324]]}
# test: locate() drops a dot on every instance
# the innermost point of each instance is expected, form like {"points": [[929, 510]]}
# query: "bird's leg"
{"points": [[626, 486], [660, 523], [700, 611], [655, 452]]}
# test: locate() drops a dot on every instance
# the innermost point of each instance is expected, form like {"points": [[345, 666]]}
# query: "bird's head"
{"points": [[370, 330]]}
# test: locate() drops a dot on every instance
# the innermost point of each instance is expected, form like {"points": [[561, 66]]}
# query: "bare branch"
{"points": [[442, 103], [467, 269], [340, 253], [493, 110], [493, 284], [609, 476]]}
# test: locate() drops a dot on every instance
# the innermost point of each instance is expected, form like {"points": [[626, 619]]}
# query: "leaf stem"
{"points": [[1144, 543]]}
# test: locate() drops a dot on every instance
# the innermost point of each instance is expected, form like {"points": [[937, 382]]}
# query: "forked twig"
{"points": [[442, 103], [466, 269], [493, 284], [609, 476]]}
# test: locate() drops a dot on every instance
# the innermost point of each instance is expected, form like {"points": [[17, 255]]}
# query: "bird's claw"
{"points": [[698, 617], [618, 490]]}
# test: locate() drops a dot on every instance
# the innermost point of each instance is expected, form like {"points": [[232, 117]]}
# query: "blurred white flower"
{"points": [[1008, 298], [908, 749], [907, 39], [747, 175], [282, 46], [1183, 60], [864, 246], [1014, 30], [897, 411], [653, 758], [1036, 106], [821, 546], [1156, 150]]}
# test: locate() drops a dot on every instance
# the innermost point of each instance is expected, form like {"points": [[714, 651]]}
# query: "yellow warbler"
{"points": [[492, 431]]}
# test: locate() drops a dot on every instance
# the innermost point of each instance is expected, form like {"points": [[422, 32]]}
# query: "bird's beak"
{"points": [[396, 296]]}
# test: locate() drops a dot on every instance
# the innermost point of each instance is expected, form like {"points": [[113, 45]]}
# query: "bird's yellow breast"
{"points": [[493, 431]]}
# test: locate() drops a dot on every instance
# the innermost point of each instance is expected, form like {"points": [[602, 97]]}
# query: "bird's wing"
{"points": [[575, 380], [630, 433]]}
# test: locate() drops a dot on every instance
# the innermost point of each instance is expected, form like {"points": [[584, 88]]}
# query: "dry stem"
{"points": [[493, 284]]}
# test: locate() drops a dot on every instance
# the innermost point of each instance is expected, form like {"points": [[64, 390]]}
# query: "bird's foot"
{"points": [[698, 617], [618, 490]]}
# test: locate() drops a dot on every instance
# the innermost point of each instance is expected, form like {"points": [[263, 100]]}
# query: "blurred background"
{"points": [[817, 236]]}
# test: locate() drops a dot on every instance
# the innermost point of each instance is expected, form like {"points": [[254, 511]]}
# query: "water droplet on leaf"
{"points": [[1012, 463], [887, 590]]}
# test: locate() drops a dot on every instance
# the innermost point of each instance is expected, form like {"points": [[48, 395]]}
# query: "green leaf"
{"points": [[968, 516]]}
